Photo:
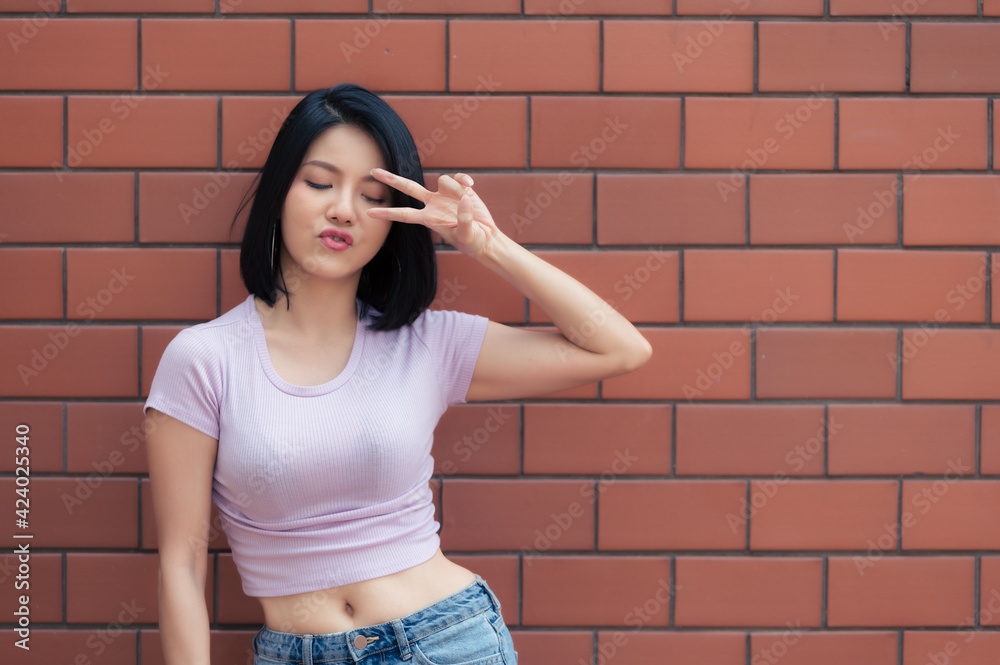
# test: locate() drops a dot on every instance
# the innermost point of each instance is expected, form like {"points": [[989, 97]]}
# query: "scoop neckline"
{"points": [[360, 333]]}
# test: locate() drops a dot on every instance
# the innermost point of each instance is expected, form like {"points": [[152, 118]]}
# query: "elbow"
{"points": [[639, 355]]}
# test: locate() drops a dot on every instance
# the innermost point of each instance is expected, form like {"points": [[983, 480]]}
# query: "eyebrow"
{"points": [[334, 169]]}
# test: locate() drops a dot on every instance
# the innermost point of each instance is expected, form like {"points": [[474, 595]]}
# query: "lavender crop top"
{"points": [[319, 486]]}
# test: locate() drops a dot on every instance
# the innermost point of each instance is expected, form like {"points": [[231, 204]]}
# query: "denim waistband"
{"points": [[397, 634]]}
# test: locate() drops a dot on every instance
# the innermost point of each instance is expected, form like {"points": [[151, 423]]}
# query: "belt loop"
{"points": [[307, 651], [401, 640], [493, 597]]}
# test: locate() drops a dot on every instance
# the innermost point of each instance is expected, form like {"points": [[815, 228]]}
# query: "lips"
{"points": [[341, 235]]}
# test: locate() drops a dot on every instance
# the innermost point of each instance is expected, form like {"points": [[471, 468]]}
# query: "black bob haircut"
{"points": [[399, 292]]}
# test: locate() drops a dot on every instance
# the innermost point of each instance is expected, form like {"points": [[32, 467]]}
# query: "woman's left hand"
{"points": [[455, 211]]}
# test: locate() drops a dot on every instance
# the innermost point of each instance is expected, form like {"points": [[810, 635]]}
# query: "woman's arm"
{"points": [[594, 341], [181, 464]]}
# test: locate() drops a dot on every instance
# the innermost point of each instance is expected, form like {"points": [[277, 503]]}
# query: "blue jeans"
{"points": [[466, 628]]}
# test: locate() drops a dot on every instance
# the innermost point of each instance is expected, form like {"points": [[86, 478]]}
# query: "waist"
{"points": [[368, 602]]}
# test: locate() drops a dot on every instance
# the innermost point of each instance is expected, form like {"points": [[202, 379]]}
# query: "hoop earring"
{"points": [[274, 232]]}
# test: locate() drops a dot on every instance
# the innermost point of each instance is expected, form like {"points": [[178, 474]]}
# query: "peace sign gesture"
{"points": [[455, 211]]}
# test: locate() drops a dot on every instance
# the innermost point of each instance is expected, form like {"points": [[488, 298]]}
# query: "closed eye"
{"points": [[316, 186], [377, 202]]}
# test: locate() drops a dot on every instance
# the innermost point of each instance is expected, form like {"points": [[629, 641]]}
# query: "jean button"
{"points": [[360, 642]]}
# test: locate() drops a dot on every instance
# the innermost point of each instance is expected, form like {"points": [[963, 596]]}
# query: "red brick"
{"points": [[748, 591], [610, 439], [234, 605], [468, 286], [112, 283], [912, 134], [671, 515], [79, 512], [892, 8], [842, 57], [989, 592], [990, 439], [40, 8], [795, 647], [668, 56], [448, 6], [744, 439], [249, 125], [61, 645], [294, 6], [69, 54], [209, 54], [112, 587], [31, 131], [378, 53], [749, 134], [45, 593], [105, 438], [884, 590], [595, 590], [504, 56], [949, 364], [142, 131], [990, 7], [233, 289], [968, 647], [951, 209], [143, 6], [910, 285], [954, 57], [751, 7], [462, 131], [527, 515], [760, 285], [45, 433], [689, 363], [533, 208], [559, 9], [669, 209], [68, 360], [641, 286], [826, 363], [901, 439], [41, 267], [478, 439], [951, 514], [75, 207], [822, 514], [823, 209], [635, 647], [192, 207], [605, 132], [562, 647]]}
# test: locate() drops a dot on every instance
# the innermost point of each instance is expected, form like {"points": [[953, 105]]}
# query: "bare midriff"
{"points": [[368, 602]]}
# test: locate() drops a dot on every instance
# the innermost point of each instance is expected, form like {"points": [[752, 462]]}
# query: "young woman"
{"points": [[306, 413]]}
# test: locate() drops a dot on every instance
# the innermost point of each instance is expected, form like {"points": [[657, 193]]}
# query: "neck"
{"points": [[318, 310]]}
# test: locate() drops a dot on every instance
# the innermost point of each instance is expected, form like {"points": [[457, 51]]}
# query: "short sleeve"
{"points": [[188, 382], [454, 340]]}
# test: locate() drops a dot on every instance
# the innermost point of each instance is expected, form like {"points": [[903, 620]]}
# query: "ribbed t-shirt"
{"points": [[324, 485]]}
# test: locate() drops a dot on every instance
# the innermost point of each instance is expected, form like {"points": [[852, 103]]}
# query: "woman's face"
{"points": [[333, 190]]}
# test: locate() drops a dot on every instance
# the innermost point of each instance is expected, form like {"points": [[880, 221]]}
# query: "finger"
{"points": [[404, 185], [449, 186], [465, 179], [465, 209], [408, 215]]}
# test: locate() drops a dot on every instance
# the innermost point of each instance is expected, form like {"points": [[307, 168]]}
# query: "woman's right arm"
{"points": [[181, 465]]}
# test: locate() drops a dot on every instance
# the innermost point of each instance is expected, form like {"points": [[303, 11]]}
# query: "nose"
{"points": [[342, 206]]}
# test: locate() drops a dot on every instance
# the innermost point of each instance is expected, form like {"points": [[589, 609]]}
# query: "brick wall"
{"points": [[793, 199]]}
